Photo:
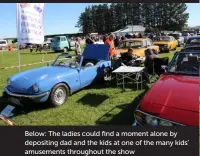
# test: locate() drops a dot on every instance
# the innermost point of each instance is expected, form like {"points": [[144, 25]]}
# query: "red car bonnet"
{"points": [[174, 97]]}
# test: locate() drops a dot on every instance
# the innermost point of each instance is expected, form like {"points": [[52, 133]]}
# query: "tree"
{"points": [[108, 18]]}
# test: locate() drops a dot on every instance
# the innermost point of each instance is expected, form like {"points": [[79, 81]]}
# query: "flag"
{"points": [[30, 23]]}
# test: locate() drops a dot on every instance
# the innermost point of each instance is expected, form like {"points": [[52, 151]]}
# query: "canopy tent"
{"points": [[130, 29]]}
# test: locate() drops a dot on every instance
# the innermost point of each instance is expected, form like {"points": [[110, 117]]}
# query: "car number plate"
{"points": [[14, 101]]}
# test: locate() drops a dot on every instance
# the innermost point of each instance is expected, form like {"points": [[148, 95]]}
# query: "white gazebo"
{"points": [[130, 29]]}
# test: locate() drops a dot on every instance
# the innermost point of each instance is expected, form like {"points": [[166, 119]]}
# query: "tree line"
{"points": [[106, 18]]}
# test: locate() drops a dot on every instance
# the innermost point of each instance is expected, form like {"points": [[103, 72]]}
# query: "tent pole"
{"points": [[17, 38]]}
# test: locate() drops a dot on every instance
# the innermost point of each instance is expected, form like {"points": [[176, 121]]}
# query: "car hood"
{"points": [[96, 51], [164, 42], [27, 78], [175, 98], [136, 51], [180, 92]]}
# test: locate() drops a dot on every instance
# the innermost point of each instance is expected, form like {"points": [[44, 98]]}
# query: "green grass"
{"points": [[98, 104]]}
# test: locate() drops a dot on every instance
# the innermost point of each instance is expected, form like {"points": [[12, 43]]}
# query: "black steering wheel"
{"points": [[61, 63], [74, 64]]}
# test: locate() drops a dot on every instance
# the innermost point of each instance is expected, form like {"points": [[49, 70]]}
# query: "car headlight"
{"points": [[35, 88], [165, 123], [150, 120], [8, 81], [166, 46]]}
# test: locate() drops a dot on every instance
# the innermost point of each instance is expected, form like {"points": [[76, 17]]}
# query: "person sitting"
{"points": [[127, 58], [149, 57]]}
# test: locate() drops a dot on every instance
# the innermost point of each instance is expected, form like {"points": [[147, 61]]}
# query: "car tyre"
{"points": [[175, 48], [59, 94]]}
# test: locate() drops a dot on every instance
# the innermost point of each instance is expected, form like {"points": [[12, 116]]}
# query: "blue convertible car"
{"points": [[66, 75]]}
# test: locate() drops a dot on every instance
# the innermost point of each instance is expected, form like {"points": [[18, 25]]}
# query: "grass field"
{"points": [[98, 104]]}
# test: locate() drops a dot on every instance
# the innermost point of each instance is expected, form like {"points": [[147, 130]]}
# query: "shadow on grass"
{"points": [[126, 115], [93, 100], [25, 109], [113, 84]]}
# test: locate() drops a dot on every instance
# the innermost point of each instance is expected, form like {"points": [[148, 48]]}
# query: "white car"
{"points": [[3, 44]]}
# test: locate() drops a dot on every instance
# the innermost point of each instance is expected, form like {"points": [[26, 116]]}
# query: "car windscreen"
{"points": [[130, 44], [66, 61], [56, 39], [185, 63], [164, 38], [193, 41], [186, 34], [2, 42]]}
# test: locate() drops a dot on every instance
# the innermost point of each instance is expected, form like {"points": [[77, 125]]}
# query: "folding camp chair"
{"points": [[158, 64]]}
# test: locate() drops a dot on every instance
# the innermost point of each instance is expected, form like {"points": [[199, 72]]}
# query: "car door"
{"points": [[87, 75], [64, 42]]}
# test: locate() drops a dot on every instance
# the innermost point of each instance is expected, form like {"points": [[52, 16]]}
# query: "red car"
{"points": [[174, 98]]}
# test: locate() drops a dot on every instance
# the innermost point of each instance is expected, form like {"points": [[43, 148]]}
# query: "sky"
{"points": [[60, 18]]}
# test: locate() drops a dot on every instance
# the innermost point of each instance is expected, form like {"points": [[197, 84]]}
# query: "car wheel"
{"points": [[175, 48], [65, 50], [59, 94]]}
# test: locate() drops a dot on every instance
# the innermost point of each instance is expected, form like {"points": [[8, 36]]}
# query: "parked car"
{"points": [[3, 45], [60, 43], [139, 45], [166, 43], [174, 98], [66, 75], [186, 36], [193, 43], [178, 37]]}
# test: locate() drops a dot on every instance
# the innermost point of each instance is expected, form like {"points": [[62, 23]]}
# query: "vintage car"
{"points": [[193, 43], [66, 75], [178, 37], [166, 43], [174, 99], [139, 45]]}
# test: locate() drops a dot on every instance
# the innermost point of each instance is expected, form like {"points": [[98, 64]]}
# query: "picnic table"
{"points": [[126, 72]]}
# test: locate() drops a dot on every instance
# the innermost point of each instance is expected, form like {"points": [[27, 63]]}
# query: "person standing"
{"points": [[104, 39], [77, 46], [110, 41], [89, 40], [116, 42]]}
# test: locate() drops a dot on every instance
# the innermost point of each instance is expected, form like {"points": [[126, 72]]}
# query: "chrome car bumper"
{"points": [[26, 96]]}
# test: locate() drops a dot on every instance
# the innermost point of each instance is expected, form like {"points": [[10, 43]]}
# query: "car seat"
{"points": [[190, 65], [193, 64]]}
